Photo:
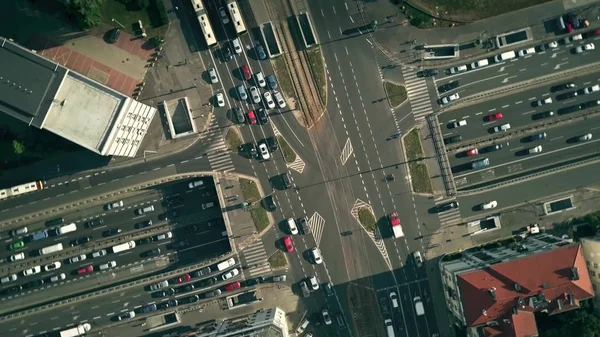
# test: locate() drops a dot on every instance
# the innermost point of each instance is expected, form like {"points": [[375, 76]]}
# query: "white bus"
{"points": [[236, 17], [123, 247], [51, 249], [207, 31]]}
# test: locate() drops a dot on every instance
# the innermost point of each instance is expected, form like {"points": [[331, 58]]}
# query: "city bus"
{"points": [[123, 247], [51, 249], [236, 17], [205, 26]]}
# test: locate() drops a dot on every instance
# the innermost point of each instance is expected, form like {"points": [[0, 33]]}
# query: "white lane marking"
{"points": [[516, 148], [557, 138], [519, 102], [528, 112]]}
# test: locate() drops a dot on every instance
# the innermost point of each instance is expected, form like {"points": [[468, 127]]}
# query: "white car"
{"points": [[223, 15], [585, 137], [585, 47], [543, 101], [535, 149], [526, 51], [450, 98], [52, 266], [553, 44], [32, 271], [314, 283], [58, 277], [129, 314], [17, 257], [576, 37], [591, 89], [212, 73], [220, 100], [116, 204], [255, 94], [326, 317], [264, 151], [456, 70], [316, 254], [279, 99], [100, 253], [77, 258], [489, 205], [269, 100], [230, 274], [292, 226]]}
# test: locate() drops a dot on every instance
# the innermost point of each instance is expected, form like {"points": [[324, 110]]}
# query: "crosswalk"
{"points": [[346, 152], [298, 164], [219, 155], [255, 258], [316, 224], [418, 96], [448, 218]]}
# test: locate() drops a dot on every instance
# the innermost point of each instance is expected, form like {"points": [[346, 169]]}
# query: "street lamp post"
{"points": [[118, 23]]}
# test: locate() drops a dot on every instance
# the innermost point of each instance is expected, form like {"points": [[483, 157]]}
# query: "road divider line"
{"points": [[528, 112]]}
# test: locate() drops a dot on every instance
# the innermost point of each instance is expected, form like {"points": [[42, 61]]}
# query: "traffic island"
{"points": [[283, 77], [395, 93], [288, 153], [252, 196], [278, 260], [419, 176], [317, 67], [233, 139], [367, 219]]}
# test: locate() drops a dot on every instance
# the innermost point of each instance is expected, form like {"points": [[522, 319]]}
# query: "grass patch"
{"points": [[283, 76], [277, 260], [366, 219], [128, 15], [473, 10], [315, 60], [418, 169], [288, 154], [258, 214], [233, 139], [396, 94]]}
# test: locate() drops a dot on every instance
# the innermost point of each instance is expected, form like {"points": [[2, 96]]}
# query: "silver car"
{"points": [[255, 94]]}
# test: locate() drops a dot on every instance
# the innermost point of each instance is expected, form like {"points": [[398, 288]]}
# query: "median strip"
{"points": [[416, 163]]}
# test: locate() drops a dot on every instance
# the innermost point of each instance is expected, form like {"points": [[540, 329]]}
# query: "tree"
{"points": [[85, 12], [142, 4], [576, 323], [18, 148]]}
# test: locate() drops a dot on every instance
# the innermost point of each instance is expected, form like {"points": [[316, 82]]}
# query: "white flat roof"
{"points": [[83, 111]]}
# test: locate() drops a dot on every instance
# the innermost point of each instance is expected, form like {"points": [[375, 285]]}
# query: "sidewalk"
{"points": [[433, 167], [396, 39]]}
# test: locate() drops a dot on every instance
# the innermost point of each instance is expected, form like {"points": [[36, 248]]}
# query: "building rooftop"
{"points": [[48, 96], [554, 280]]}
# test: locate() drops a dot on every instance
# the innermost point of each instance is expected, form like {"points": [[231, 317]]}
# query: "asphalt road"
{"points": [[519, 69], [517, 110], [561, 144]]}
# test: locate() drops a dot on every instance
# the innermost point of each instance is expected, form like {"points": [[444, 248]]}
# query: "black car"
{"points": [[592, 104], [209, 193], [149, 308], [492, 148], [94, 223], [226, 52], [207, 282], [452, 139], [428, 72], [572, 108], [13, 290], [114, 34], [254, 281], [564, 86], [146, 240], [544, 114], [448, 86], [270, 204], [566, 95], [36, 283], [153, 252], [80, 241], [272, 144], [171, 214], [143, 224], [174, 201], [112, 231], [537, 136], [447, 206], [193, 299], [263, 117], [188, 288], [160, 293], [239, 115], [202, 272]]}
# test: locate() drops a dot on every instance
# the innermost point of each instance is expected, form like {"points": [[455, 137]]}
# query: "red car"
{"points": [[289, 245], [232, 286], [246, 72], [251, 117], [183, 278], [472, 152], [85, 270], [495, 117]]}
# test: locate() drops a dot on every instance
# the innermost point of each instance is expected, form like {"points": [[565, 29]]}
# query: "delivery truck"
{"points": [[395, 223], [79, 330]]}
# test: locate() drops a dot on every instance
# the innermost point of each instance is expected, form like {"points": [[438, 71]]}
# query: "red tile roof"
{"points": [[547, 274]]}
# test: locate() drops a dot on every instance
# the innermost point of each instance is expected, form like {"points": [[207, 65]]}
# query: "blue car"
{"points": [[261, 52]]}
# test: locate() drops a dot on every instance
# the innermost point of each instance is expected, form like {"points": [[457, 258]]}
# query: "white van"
{"points": [[123, 247], [164, 236], [505, 56], [66, 229], [9, 278], [503, 127], [226, 264], [389, 327], [419, 309], [292, 226], [479, 64], [108, 265], [144, 210]]}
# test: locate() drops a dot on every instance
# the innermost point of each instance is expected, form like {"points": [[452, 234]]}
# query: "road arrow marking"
{"points": [[558, 65], [508, 78]]}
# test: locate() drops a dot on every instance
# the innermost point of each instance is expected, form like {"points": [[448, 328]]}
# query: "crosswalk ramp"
{"points": [[316, 224], [449, 218], [418, 95], [218, 154], [255, 259]]}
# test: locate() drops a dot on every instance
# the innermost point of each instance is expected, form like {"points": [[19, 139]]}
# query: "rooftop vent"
{"points": [[575, 272], [517, 287], [492, 291], [571, 299], [484, 312], [545, 285]]}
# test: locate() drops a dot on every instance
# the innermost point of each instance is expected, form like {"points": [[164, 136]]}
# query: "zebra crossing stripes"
{"points": [[219, 157], [448, 218], [298, 164], [255, 259], [346, 152], [418, 95], [316, 224]]}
